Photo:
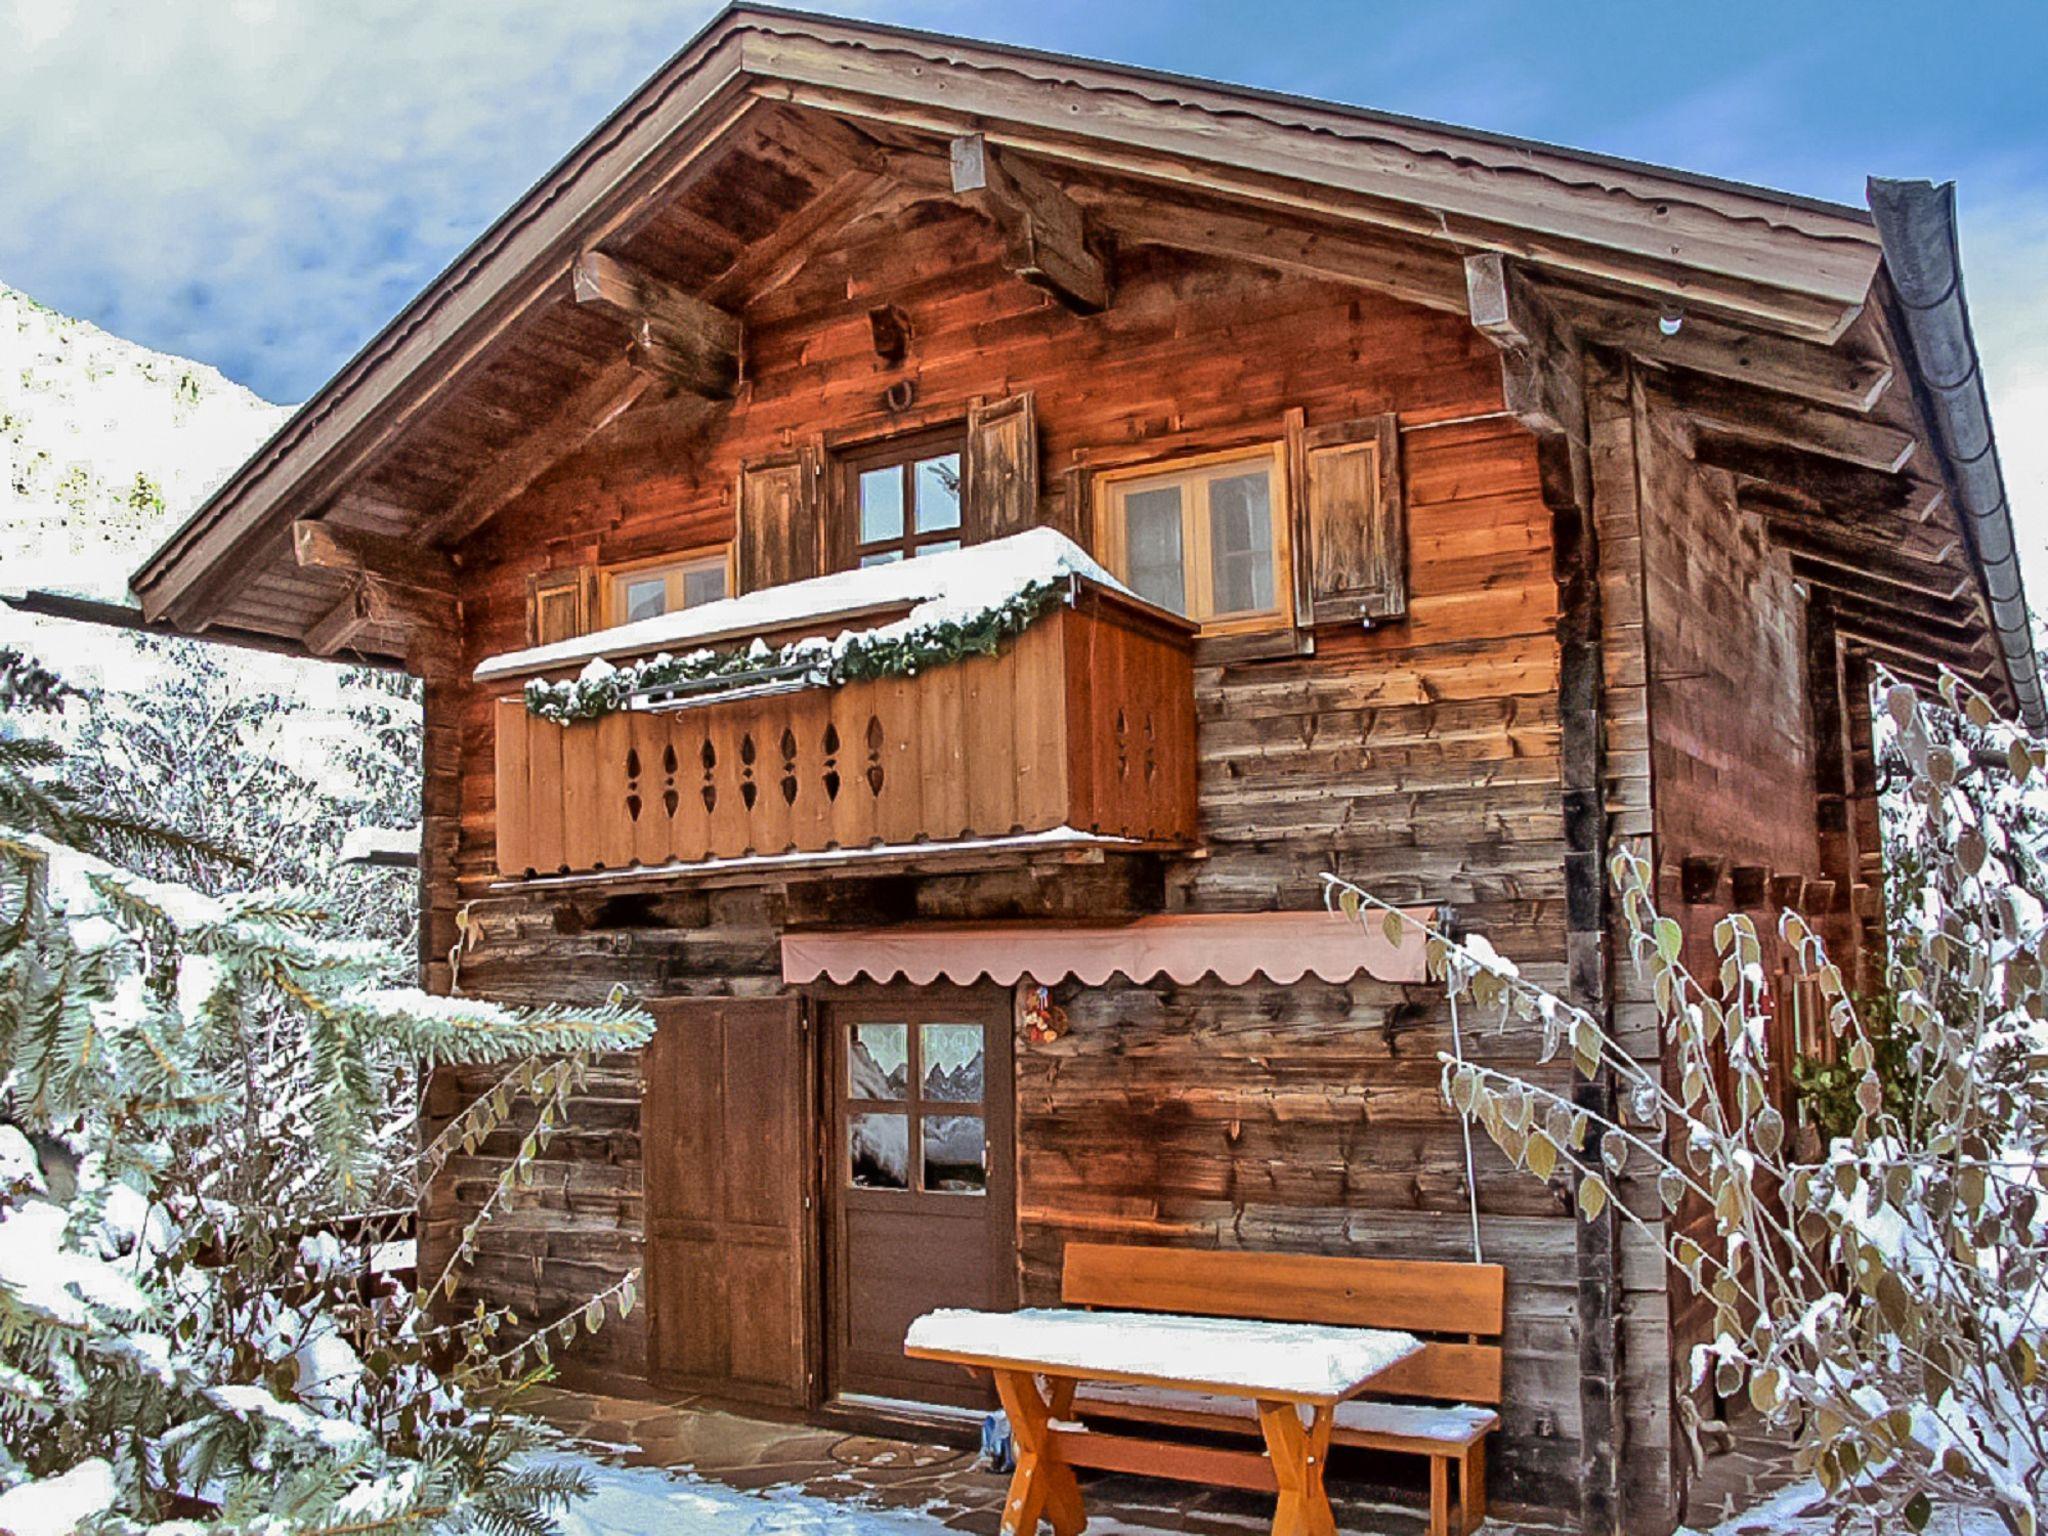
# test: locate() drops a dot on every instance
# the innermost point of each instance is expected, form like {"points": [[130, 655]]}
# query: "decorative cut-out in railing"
{"points": [[789, 784], [875, 744]]}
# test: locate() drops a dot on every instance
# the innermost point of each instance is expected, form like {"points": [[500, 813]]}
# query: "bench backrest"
{"points": [[1461, 1305]]}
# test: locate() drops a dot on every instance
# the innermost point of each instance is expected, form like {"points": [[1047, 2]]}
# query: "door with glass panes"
{"points": [[922, 1182]]}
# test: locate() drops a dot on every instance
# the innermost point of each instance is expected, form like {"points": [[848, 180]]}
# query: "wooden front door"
{"points": [[920, 1163], [726, 1105]]}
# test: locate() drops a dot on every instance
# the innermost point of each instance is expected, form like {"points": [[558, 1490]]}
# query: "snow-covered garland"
{"points": [[894, 650]]}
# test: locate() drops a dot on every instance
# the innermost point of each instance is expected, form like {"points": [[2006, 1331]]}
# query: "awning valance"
{"points": [[1232, 947]]}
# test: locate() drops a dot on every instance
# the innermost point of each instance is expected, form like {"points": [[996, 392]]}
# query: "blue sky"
{"points": [[261, 183]]}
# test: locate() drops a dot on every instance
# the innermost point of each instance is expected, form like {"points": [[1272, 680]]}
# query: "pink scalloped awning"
{"points": [[1232, 947]]}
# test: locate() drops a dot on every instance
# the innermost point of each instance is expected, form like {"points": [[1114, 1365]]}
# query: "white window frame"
{"points": [[673, 569], [1192, 475]]}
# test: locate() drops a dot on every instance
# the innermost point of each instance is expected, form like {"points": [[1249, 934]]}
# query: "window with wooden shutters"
{"points": [[1351, 535], [1000, 469], [780, 532], [561, 605]]}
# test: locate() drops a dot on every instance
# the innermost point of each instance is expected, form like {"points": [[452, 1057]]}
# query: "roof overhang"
{"points": [[1789, 263], [1775, 293]]}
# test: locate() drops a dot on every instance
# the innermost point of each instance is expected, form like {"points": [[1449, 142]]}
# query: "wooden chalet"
{"points": [[1420, 505]]}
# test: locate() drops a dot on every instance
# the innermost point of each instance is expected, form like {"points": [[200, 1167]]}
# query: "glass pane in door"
{"points": [[952, 1058], [878, 1151], [955, 1155], [878, 1061]]}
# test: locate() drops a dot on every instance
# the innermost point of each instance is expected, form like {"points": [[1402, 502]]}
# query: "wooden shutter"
{"points": [[1350, 528], [561, 605], [1000, 473], [780, 536]]}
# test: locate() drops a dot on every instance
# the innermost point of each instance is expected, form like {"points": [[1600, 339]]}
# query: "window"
{"points": [[903, 500], [645, 589], [1206, 538]]}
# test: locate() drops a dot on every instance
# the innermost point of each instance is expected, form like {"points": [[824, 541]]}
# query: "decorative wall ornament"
{"points": [[1039, 1019]]}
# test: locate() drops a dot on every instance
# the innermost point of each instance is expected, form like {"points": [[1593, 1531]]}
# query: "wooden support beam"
{"points": [[1892, 599], [580, 417], [1403, 268], [1833, 564], [1930, 544], [1044, 230], [1826, 375], [1541, 368], [327, 546], [692, 344], [1760, 415], [767, 263], [431, 626], [1842, 489]]}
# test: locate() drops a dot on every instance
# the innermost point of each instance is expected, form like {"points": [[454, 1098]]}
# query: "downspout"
{"points": [[1916, 224]]}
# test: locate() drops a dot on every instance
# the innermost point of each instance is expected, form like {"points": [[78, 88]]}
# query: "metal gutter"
{"points": [[1916, 225]]}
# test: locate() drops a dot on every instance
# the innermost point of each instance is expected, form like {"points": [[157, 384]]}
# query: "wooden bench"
{"points": [[1451, 1386]]}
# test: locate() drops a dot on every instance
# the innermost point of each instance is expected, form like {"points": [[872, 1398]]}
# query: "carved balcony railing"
{"points": [[1085, 721]]}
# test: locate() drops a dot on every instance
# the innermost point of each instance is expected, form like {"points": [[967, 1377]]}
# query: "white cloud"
{"points": [[259, 183]]}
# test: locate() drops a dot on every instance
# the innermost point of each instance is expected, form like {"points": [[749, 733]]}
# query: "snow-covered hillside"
{"points": [[104, 447]]}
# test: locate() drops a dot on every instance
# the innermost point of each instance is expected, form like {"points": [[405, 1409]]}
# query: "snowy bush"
{"points": [[197, 1090], [1880, 1298]]}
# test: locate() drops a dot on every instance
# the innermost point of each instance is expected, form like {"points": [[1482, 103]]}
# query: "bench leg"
{"points": [[1043, 1484], [1472, 1487], [1297, 1455], [1440, 1496]]}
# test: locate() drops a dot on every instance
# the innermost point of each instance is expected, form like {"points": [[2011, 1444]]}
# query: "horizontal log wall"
{"points": [[1420, 758]]}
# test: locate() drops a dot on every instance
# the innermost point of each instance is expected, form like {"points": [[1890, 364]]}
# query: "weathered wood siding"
{"points": [[1420, 758]]}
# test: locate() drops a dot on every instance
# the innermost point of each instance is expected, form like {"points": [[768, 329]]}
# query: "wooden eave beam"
{"points": [[761, 265], [1841, 488], [1929, 543], [689, 343], [1404, 270], [585, 413], [1044, 231], [327, 546], [1739, 410], [1847, 379], [431, 627], [1857, 566], [1542, 369]]}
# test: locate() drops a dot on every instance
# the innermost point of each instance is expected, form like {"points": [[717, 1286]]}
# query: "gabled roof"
{"points": [[411, 438]]}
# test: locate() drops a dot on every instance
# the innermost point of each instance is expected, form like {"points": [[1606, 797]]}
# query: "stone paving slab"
{"points": [[944, 1482]]}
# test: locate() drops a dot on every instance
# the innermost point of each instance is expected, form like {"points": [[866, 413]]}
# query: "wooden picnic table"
{"points": [[1284, 1368]]}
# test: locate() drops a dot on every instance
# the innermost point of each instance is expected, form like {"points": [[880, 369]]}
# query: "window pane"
{"points": [[938, 492], [1241, 542], [878, 1061], [881, 504], [645, 597], [955, 1161], [703, 584], [937, 547], [882, 557], [878, 1151], [952, 1060], [1152, 538]]}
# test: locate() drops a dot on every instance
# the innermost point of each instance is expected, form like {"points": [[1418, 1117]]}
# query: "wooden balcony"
{"points": [[1085, 721]]}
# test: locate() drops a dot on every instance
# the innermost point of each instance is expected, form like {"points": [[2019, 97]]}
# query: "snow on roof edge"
{"points": [[955, 584]]}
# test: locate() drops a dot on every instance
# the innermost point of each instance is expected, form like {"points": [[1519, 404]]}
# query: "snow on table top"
{"points": [[958, 584], [1242, 1356]]}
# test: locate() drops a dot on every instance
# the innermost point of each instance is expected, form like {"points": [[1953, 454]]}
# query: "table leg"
{"points": [[1298, 1454], [1043, 1484]]}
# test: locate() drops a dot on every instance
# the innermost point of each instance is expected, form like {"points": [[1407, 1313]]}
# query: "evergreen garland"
{"points": [[894, 650]]}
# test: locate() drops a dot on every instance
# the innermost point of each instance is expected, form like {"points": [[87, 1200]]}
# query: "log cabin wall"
{"points": [[1420, 758], [1727, 740]]}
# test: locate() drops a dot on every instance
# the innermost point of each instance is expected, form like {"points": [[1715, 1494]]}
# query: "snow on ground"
{"points": [[1799, 1510], [644, 1501]]}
